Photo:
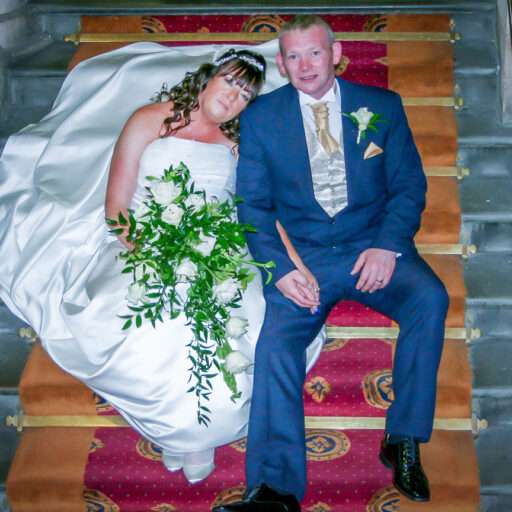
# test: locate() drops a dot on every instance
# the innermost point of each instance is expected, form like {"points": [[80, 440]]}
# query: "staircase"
{"points": [[33, 65]]}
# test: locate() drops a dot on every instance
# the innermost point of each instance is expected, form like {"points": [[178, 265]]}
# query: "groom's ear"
{"points": [[280, 65], [336, 52]]}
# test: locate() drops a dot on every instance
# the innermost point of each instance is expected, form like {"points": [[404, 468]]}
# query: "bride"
{"points": [[59, 267]]}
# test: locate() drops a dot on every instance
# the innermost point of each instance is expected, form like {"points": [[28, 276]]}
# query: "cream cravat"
{"points": [[327, 141]]}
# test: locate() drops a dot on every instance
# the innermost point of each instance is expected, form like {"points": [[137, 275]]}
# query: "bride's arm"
{"points": [[141, 129], [294, 256]]}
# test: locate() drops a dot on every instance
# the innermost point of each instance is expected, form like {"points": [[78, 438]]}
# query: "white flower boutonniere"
{"points": [[364, 119]]}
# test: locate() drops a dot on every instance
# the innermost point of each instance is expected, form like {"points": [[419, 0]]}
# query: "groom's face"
{"points": [[308, 59]]}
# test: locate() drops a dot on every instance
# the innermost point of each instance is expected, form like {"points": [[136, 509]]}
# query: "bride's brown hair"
{"points": [[245, 66]]}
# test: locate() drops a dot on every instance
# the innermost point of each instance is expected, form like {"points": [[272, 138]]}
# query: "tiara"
{"points": [[233, 54]]}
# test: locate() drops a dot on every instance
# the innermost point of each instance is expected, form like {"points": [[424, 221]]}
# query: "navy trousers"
{"points": [[415, 298]]}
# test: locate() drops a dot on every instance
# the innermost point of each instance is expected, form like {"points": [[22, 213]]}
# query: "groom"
{"points": [[350, 197]]}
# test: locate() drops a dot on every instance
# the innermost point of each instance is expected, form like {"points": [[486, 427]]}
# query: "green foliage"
{"points": [[163, 288]]}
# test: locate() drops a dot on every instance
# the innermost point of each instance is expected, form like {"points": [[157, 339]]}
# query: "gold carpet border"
{"points": [[451, 333], [256, 37], [21, 422]]}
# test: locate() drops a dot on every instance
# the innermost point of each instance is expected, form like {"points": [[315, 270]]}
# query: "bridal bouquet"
{"points": [[189, 258]]}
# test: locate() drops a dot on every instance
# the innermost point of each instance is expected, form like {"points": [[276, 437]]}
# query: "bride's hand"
{"points": [[129, 245], [311, 279]]}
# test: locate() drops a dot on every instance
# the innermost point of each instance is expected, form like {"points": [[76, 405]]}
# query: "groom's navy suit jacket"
{"points": [[386, 193]]}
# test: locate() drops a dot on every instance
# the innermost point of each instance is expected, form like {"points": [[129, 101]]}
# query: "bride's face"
{"points": [[224, 98]]}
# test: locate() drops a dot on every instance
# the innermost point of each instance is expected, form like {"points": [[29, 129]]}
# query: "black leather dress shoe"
{"points": [[263, 499], [408, 476]]}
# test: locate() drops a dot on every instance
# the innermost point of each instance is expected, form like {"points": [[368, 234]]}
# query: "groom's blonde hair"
{"points": [[303, 22]]}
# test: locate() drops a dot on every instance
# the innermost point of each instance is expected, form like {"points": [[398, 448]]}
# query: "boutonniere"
{"points": [[364, 119]]}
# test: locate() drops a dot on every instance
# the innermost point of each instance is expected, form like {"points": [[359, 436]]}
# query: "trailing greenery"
{"points": [[188, 257]]}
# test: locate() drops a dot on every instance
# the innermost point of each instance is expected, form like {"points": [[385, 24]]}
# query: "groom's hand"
{"points": [[296, 287], [376, 267]]}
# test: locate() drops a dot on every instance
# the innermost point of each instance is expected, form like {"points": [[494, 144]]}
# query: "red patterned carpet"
{"points": [[125, 471], [352, 378]]}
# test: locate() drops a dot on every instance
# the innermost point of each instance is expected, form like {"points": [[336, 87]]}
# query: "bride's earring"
{"points": [[172, 462], [198, 465]]}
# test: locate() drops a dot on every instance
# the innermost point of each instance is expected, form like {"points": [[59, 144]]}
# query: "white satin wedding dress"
{"points": [[58, 266]]}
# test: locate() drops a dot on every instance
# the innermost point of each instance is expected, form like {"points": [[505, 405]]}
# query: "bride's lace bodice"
{"points": [[212, 166]]}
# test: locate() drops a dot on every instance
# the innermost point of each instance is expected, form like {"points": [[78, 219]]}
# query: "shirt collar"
{"points": [[331, 96]]}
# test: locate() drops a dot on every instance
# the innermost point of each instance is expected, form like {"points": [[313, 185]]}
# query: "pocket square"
{"points": [[372, 150]]}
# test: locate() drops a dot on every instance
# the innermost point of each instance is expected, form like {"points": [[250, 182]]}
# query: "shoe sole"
{"points": [[387, 463]]}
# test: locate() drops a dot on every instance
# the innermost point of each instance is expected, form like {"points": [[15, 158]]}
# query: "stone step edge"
{"points": [[124, 7], [20, 422]]}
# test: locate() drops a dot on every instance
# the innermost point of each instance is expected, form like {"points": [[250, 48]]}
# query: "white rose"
{"points": [[186, 270], [140, 211], [206, 245], [136, 292], [226, 291], [236, 326], [27, 332], [363, 116], [165, 192], [236, 362], [172, 214], [196, 201]]}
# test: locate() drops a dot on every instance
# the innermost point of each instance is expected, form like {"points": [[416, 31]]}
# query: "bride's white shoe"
{"points": [[198, 465], [172, 462]]}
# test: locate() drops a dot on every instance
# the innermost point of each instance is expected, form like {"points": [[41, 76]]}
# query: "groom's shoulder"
{"points": [[373, 91], [270, 101]]}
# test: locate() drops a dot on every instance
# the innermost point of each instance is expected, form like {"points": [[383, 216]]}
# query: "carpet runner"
{"points": [[115, 470]]}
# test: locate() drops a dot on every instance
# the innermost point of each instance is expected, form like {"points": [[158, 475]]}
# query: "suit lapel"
{"points": [[295, 129]]}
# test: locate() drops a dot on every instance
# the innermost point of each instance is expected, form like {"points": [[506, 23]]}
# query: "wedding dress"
{"points": [[59, 269]]}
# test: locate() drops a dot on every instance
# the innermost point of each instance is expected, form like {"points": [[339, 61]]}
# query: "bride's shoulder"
{"points": [[151, 116]]}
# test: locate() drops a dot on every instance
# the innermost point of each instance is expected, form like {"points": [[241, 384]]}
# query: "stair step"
{"points": [[495, 458], [489, 236], [479, 121], [475, 52], [52, 59], [29, 90], [17, 118], [4, 505], [35, 79], [489, 279], [495, 409], [492, 320], [491, 360], [9, 404], [486, 200], [331, 476], [169, 6], [486, 161], [14, 351], [496, 502], [361, 391]]}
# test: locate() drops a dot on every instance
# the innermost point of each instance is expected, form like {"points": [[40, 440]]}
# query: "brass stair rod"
{"points": [[253, 37]]}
